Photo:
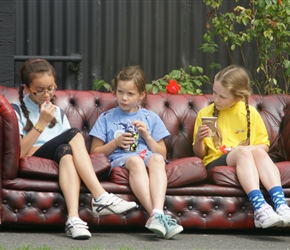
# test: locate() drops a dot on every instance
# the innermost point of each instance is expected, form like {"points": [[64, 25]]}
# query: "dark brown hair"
{"points": [[30, 70]]}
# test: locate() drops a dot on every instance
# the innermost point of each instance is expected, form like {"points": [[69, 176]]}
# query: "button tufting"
{"points": [[29, 204], [72, 101], [44, 211], [56, 204], [165, 208], [190, 208], [216, 207], [230, 215], [4, 201], [204, 215], [179, 214]]}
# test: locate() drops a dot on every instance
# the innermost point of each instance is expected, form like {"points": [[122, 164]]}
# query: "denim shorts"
{"points": [[120, 162]]}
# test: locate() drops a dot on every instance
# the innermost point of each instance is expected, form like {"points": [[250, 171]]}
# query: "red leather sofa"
{"points": [[197, 199]]}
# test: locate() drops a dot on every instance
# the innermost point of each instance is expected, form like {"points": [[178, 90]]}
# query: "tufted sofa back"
{"points": [[178, 112]]}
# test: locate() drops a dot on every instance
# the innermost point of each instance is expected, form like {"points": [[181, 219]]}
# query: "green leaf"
{"points": [[99, 84], [107, 86], [200, 69], [155, 90]]}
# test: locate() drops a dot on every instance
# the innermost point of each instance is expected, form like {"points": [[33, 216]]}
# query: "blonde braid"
{"points": [[247, 140]]}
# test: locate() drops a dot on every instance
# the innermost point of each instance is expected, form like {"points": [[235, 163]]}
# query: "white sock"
{"points": [[101, 197], [157, 211]]}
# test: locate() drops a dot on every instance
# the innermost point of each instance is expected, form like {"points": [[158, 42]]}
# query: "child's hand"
{"points": [[124, 140], [141, 127], [47, 110], [203, 131]]}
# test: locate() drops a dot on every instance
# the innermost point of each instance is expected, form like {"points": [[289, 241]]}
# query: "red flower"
{"points": [[172, 87], [280, 2]]}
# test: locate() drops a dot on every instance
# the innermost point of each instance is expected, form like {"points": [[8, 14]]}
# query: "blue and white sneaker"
{"points": [[156, 224], [172, 228]]}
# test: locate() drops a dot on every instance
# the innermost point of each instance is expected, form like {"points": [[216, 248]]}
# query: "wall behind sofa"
{"points": [[92, 39]]}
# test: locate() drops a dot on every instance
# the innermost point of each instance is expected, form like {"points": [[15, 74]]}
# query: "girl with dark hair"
{"points": [[45, 132]]}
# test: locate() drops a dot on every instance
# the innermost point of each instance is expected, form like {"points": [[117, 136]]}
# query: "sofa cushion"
{"points": [[38, 168], [227, 176], [224, 176], [179, 172]]}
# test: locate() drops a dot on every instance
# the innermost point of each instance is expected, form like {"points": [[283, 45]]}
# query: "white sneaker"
{"points": [[265, 217], [77, 229], [111, 204], [284, 211]]}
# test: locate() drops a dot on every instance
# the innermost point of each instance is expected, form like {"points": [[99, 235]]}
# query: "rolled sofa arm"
{"points": [[9, 140], [285, 132]]}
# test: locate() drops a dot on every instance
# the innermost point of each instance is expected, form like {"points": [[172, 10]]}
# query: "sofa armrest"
{"points": [[285, 132], [9, 140]]}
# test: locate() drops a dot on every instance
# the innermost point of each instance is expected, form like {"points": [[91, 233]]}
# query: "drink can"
{"points": [[135, 135]]}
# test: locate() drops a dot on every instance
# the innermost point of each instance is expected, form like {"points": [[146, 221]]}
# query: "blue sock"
{"points": [[277, 196], [257, 199]]}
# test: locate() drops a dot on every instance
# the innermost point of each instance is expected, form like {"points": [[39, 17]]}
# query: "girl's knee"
{"points": [[73, 133], [134, 163], [259, 152], [156, 162], [61, 151], [157, 158], [243, 151]]}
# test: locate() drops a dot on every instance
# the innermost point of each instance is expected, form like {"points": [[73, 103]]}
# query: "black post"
{"points": [[7, 40]]}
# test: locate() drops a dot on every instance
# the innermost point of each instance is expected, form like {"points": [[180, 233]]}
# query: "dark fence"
{"points": [[93, 39]]}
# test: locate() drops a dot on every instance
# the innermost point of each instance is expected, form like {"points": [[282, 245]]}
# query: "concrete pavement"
{"points": [[28, 238]]}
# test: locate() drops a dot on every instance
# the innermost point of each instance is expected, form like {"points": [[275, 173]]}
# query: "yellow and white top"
{"points": [[232, 123]]}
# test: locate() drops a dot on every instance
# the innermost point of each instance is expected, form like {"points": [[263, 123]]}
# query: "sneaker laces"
{"points": [[170, 221], [160, 218]]}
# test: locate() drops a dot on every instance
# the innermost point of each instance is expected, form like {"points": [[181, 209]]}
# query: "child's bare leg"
{"points": [[268, 171], [246, 169], [139, 181], [157, 180], [69, 182], [84, 167]]}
